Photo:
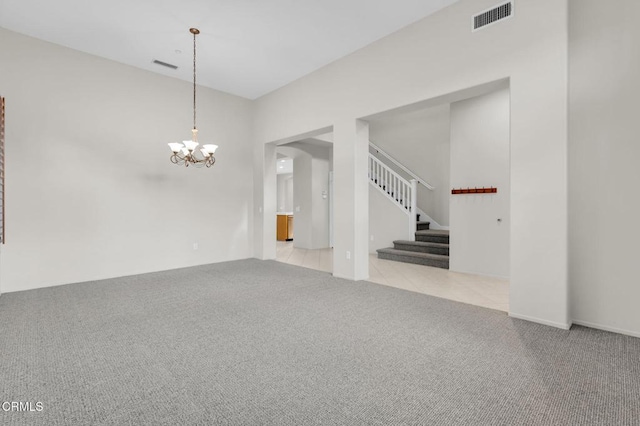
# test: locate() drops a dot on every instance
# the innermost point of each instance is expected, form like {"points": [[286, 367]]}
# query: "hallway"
{"points": [[488, 292]]}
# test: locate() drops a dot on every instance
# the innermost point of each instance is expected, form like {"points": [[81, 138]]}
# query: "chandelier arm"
{"points": [[192, 158], [177, 158]]}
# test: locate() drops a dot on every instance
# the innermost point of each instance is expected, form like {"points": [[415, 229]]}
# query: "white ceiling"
{"points": [[246, 47]]}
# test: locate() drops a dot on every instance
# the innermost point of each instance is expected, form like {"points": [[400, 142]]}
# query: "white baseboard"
{"points": [[563, 326], [607, 328], [350, 278]]}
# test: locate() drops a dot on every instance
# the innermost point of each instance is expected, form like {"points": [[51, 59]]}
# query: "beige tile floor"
{"points": [[320, 260], [477, 290]]}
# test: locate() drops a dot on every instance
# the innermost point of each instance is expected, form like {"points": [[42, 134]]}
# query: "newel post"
{"points": [[414, 209]]}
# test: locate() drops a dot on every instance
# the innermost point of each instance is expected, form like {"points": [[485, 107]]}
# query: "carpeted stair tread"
{"points": [[433, 232], [420, 243], [433, 236], [425, 259], [422, 247], [422, 226], [414, 254]]}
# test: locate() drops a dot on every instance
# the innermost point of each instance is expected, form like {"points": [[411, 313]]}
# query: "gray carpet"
{"points": [[264, 343]]}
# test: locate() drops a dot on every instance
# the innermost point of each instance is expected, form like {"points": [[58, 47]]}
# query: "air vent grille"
{"points": [[493, 15], [164, 64]]}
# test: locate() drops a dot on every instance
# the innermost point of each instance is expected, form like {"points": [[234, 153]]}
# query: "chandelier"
{"points": [[185, 152]]}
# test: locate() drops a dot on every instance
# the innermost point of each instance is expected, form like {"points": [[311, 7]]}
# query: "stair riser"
{"points": [[444, 251], [419, 261], [442, 239], [422, 226]]}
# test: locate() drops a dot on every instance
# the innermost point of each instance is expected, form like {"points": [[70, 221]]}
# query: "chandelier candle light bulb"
{"points": [[185, 152]]}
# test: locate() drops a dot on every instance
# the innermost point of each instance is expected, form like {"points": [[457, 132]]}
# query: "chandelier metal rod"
{"points": [[195, 32]]}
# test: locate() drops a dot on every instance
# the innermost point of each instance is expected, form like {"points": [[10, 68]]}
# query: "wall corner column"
{"points": [[351, 199], [264, 201]]}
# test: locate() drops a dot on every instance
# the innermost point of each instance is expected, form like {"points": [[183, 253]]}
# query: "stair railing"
{"points": [[402, 167], [397, 189]]}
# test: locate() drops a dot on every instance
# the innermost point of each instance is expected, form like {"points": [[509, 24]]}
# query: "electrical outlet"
{"points": [[348, 255], [195, 246]]}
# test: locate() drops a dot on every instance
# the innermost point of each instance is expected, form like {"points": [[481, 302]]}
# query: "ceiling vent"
{"points": [[493, 15], [164, 64]]}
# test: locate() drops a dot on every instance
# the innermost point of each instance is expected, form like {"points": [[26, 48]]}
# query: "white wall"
{"points": [[387, 222], [288, 188], [91, 193], [420, 141], [433, 57], [604, 229], [311, 210], [320, 202], [479, 243], [302, 208], [285, 192]]}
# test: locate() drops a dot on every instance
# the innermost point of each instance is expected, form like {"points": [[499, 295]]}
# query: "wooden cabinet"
{"points": [[281, 227], [284, 227]]}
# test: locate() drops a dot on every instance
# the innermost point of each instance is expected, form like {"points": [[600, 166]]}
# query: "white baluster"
{"points": [[386, 180], [414, 208], [407, 194], [395, 187], [375, 168]]}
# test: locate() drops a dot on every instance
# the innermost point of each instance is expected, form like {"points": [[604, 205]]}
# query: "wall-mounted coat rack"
{"points": [[490, 190]]}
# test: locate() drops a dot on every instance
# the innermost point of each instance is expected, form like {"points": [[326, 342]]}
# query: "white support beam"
{"points": [[351, 196]]}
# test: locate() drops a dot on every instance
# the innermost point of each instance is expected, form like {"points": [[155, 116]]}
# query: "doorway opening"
{"points": [[459, 141], [304, 209]]}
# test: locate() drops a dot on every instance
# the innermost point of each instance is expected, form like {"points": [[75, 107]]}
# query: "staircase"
{"points": [[431, 248], [401, 192]]}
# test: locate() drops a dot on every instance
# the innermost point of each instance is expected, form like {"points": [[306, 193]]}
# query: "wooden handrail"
{"points": [[401, 166]]}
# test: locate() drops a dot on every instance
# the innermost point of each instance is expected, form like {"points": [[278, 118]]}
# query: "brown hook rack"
{"points": [[490, 190]]}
